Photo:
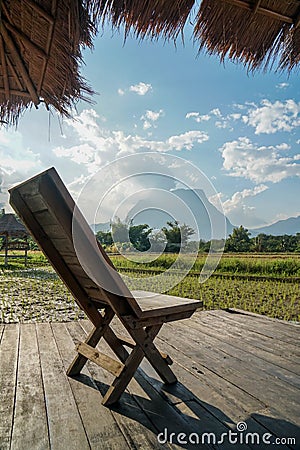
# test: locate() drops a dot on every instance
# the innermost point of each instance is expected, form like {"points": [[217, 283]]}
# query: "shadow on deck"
{"points": [[235, 371]]}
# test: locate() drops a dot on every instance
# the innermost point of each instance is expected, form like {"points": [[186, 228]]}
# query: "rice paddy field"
{"points": [[264, 284]]}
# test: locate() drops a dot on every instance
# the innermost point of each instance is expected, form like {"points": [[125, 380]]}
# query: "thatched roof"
{"points": [[10, 226], [41, 40], [40, 52], [255, 32]]}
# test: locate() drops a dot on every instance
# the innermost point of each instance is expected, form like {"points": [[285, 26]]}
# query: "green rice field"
{"points": [[262, 284]]}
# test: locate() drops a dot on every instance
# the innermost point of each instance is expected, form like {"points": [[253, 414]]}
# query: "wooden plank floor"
{"points": [[231, 367]]}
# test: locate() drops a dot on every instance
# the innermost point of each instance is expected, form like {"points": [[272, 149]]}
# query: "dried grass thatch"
{"points": [[10, 226], [40, 49], [41, 40], [255, 32]]}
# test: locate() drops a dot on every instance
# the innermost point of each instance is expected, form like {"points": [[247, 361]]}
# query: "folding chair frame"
{"points": [[47, 209]]}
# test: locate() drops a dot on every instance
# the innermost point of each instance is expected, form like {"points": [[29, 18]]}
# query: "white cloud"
{"points": [[14, 157], [282, 85], [197, 117], [150, 117], [236, 201], [141, 88], [242, 158], [216, 112], [121, 92], [272, 117], [98, 146], [235, 116], [16, 162], [81, 154]]}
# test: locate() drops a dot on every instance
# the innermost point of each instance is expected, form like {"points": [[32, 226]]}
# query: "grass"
{"points": [[35, 295], [261, 265], [256, 283]]}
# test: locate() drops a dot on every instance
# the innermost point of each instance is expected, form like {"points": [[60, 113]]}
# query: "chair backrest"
{"points": [[50, 214]]}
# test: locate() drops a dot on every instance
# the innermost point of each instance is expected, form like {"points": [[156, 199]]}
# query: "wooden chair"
{"points": [[47, 209]]}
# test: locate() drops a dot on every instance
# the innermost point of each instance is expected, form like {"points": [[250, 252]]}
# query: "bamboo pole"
{"points": [[4, 70], [19, 62]]}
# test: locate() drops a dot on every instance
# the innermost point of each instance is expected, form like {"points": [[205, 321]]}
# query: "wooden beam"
{"points": [[15, 75], [20, 64], [297, 19], [25, 39], [260, 10], [16, 92], [106, 362], [4, 70], [6, 12], [48, 47], [256, 6], [37, 8]]}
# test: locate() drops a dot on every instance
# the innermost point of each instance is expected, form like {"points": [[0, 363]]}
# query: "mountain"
{"points": [[101, 227], [288, 226], [184, 205], [191, 204]]}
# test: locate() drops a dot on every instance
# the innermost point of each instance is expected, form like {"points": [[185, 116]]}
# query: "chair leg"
{"points": [[153, 354], [144, 347], [92, 340], [120, 383]]}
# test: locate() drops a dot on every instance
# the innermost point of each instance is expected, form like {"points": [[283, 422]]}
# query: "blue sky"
{"points": [[241, 130]]}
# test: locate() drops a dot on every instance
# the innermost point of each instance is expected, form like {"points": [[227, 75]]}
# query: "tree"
{"points": [[177, 236], [239, 240], [105, 238], [119, 231], [139, 237]]}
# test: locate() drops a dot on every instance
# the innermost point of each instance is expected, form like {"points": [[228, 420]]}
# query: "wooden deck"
{"points": [[231, 368]]}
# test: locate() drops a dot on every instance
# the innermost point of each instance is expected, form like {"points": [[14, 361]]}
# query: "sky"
{"points": [[239, 131]]}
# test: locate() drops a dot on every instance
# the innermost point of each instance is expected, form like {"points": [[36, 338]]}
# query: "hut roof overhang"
{"points": [[41, 41], [10, 226]]}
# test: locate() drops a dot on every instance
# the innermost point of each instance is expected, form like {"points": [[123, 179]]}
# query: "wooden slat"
{"points": [[99, 422], [21, 67], [15, 92], [92, 340], [237, 345], [9, 350], [61, 205], [260, 10], [279, 330], [65, 425], [54, 257], [41, 11], [257, 383], [199, 385], [104, 361], [4, 70], [30, 421], [297, 19], [14, 73], [1, 331], [140, 423], [163, 414], [256, 6], [37, 205], [135, 324], [131, 344], [270, 346], [25, 39]]}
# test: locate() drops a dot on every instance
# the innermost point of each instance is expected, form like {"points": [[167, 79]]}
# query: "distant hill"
{"points": [[195, 200], [101, 227], [288, 226]]}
